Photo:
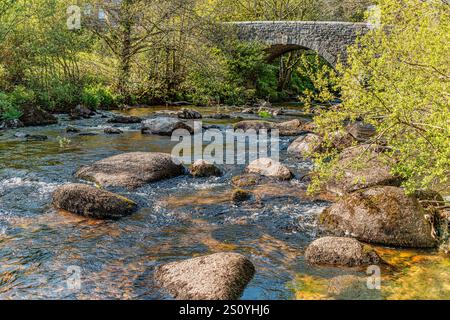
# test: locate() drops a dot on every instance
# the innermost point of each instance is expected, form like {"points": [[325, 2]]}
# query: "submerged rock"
{"points": [[350, 287], [131, 170], [383, 215], [202, 168], [240, 195], [72, 129], [36, 137], [219, 276], [92, 202], [87, 134], [164, 126], [341, 251], [113, 131], [269, 168], [305, 144], [125, 119], [246, 180], [361, 167], [35, 116]]}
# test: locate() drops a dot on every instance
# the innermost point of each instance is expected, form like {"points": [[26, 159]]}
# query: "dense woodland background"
{"points": [[147, 52]]}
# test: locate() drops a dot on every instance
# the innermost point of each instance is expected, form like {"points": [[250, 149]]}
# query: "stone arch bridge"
{"points": [[329, 39]]}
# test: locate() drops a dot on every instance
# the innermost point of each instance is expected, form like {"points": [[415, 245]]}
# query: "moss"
{"points": [[240, 195]]}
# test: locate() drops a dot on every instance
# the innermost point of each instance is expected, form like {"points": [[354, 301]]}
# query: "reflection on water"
{"points": [[179, 218]]}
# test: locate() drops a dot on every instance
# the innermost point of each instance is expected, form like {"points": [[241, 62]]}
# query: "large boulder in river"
{"points": [[131, 170], [269, 168], [305, 144], [360, 167], [383, 215], [164, 126], [340, 251], [203, 168], [91, 202], [219, 276], [35, 116]]}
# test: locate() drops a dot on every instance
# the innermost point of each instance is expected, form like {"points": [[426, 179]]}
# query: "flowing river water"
{"points": [[178, 219]]}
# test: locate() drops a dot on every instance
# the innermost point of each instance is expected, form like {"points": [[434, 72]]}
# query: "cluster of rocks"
{"points": [[219, 276], [371, 207]]}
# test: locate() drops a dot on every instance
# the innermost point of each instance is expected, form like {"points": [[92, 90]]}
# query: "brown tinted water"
{"points": [[178, 219]]}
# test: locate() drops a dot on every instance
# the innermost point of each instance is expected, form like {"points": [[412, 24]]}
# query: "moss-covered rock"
{"points": [[203, 168], [240, 195], [383, 215], [340, 251], [92, 202], [246, 180]]}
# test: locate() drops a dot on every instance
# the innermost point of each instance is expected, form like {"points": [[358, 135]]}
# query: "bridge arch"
{"points": [[329, 39]]}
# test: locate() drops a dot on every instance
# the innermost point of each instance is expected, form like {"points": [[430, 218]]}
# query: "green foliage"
{"points": [[264, 114], [397, 79], [235, 74], [8, 111], [22, 96], [96, 96]]}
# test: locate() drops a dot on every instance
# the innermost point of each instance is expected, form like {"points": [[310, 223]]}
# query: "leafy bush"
{"points": [[21, 96], [8, 111], [98, 96], [265, 114], [397, 81]]}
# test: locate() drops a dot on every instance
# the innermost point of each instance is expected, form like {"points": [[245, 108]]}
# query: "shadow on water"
{"points": [[178, 219]]}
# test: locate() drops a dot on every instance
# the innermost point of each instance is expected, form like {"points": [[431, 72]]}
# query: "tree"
{"points": [[398, 79], [127, 29]]}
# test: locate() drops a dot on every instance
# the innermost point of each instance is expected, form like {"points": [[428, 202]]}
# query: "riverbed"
{"points": [[177, 219]]}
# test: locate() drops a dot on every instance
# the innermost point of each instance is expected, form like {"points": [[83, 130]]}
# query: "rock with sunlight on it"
{"points": [[219, 276], [270, 168], [131, 170], [340, 251], [203, 168], [92, 202]]}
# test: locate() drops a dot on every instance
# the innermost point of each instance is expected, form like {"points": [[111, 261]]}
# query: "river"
{"points": [[178, 219]]}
